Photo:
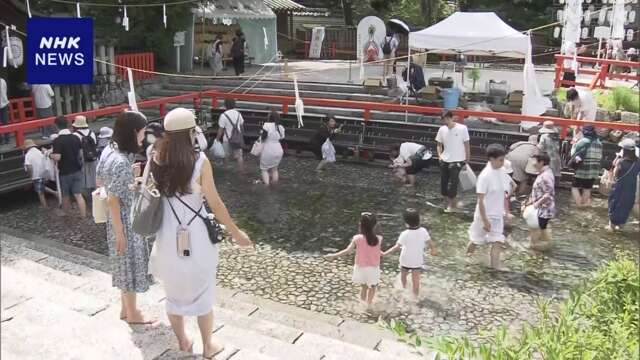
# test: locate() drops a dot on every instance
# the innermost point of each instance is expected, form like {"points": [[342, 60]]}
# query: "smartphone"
{"points": [[184, 242]]}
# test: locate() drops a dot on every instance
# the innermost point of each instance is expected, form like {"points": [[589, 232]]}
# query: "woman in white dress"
{"points": [[184, 177], [272, 133]]}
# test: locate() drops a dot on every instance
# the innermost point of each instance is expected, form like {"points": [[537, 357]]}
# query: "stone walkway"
{"points": [[57, 303]]}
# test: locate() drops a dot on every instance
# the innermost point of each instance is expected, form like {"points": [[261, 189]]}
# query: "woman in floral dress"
{"points": [[543, 200], [128, 251]]}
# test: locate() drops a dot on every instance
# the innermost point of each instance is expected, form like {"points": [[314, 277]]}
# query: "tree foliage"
{"points": [[520, 14], [146, 29]]}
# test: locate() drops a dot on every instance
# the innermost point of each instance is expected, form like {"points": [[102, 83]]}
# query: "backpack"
{"points": [[89, 147], [236, 140], [386, 47]]}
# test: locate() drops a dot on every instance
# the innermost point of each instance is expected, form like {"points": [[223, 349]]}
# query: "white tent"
{"points": [[471, 34], [484, 34]]}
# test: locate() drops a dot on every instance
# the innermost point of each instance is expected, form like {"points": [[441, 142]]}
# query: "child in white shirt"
{"points": [[413, 243]]}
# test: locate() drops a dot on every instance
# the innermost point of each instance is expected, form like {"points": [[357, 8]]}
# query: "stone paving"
{"points": [[309, 215]]}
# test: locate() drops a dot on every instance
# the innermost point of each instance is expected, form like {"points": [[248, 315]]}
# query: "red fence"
{"points": [[285, 101], [601, 75], [142, 61], [21, 109]]}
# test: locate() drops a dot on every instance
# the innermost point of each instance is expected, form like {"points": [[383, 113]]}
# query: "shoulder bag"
{"points": [[577, 158], [147, 210], [214, 229]]}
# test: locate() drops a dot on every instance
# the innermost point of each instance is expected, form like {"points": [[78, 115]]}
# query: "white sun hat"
{"points": [[179, 119]]}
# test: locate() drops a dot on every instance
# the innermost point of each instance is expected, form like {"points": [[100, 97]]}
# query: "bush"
{"points": [[598, 321]]}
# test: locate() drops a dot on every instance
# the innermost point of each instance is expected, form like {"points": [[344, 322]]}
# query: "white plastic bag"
{"points": [[99, 208], [218, 150], [328, 151], [256, 149], [530, 215], [467, 178]]}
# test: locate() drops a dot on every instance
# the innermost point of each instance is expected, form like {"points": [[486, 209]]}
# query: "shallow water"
{"points": [[310, 214]]}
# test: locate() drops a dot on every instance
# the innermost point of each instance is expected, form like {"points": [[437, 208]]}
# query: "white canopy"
{"points": [[481, 33]]}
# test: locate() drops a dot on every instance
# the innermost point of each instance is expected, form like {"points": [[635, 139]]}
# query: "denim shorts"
{"points": [[72, 184], [38, 185]]}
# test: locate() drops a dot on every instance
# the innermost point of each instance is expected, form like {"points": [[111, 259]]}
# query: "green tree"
{"points": [[520, 14]]}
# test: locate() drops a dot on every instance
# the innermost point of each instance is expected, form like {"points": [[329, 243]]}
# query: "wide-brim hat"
{"points": [[105, 133], [627, 143], [179, 119], [29, 144], [80, 122], [548, 128]]}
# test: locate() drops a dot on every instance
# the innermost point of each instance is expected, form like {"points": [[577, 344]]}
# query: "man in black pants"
{"points": [[237, 53], [454, 152]]}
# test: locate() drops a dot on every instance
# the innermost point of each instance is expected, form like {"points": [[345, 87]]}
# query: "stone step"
{"points": [[41, 329], [18, 286]]}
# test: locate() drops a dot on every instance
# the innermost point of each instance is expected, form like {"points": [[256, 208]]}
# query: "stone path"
{"points": [[58, 303]]}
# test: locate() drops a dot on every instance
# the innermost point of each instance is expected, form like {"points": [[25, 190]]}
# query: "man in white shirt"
{"points": [[488, 219], [230, 124], [408, 159], [34, 166], [584, 104], [454, 152], [42, 94], [4, 110]]}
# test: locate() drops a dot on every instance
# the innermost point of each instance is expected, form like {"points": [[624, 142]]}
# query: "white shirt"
{"points": [[413, 243], [408, 149], [492, 183], [453, 141], [35, 159], [224, 123], [203, 144], [588, 105], [42, 95], [86, 132], [4, 101]]}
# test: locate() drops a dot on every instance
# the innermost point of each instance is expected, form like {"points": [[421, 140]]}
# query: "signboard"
{"points": [[317, 37], [371, 32], [179, 38], [59, 51]]}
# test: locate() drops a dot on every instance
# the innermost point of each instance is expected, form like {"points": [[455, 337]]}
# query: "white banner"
{"points": [[317, 36]]}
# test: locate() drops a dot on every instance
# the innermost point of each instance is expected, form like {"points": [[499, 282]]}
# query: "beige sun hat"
{"points": [[80, 122], [29, 144], [548, 128], [179, 119]]}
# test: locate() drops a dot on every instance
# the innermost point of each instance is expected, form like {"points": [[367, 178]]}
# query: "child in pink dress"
{"points": [[366, 271]]}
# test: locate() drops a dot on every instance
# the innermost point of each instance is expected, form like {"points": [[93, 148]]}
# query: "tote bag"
{"points": [[467, 178], [147, 210]]}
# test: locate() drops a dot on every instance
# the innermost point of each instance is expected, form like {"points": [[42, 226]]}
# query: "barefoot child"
{"points": [[413, 242], [366, 271]]}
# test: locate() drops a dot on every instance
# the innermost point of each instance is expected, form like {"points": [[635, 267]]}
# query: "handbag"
{"points": [[530, 215], [257, 147], [99, 207], [214, 229], [606, 182], [147, 210]]}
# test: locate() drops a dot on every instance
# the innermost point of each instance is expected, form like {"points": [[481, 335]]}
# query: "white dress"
{"points": [[189, 282], [272, 151]]}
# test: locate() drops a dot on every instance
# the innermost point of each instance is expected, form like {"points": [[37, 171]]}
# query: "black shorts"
{"points": [[543, 223], [417, 166], [586, 184], [410, 269]]}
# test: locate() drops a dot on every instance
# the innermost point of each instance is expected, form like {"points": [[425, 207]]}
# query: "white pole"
{"points": [[406, 113], [178, 59]]}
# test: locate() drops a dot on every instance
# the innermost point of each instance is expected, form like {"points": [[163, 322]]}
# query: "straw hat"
{"points": [[179, 119], [29, 144], [548, 128], [80, 122], [105, 133]]}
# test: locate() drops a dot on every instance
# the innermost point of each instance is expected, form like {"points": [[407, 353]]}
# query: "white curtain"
{"points": [[533, 103], [617, 20]]}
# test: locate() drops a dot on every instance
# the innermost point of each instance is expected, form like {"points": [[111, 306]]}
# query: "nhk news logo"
{"points": [[60, 51]]}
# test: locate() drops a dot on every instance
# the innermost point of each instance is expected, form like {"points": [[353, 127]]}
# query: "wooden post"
{"points": [[558, 80], [67, 100], [57, 99]]}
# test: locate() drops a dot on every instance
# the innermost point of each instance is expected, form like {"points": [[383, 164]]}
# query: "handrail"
{"points": [[601, 75], [286, 101]]}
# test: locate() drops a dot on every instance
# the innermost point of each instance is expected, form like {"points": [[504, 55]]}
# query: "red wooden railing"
{"points": [[142, 61], [21, 109], [286, 101], [601, 75]]}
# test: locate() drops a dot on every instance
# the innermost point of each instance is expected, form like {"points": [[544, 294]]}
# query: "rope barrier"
{"points": [[181, 2]]}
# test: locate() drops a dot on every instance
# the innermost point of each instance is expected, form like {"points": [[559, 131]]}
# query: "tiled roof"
{"points": [[283, 5]]}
